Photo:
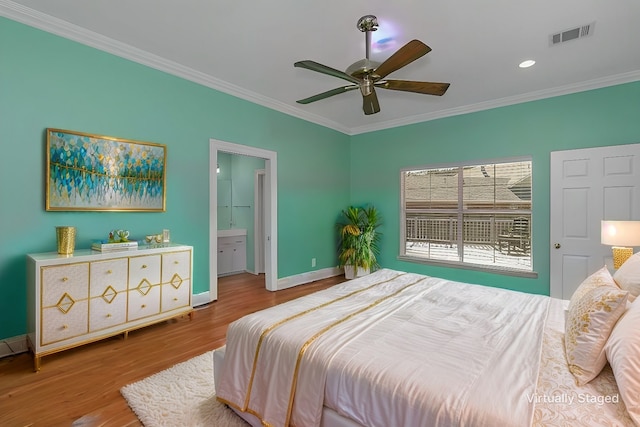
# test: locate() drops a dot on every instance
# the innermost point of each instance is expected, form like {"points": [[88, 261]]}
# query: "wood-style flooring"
{"points": [[81, 386]]}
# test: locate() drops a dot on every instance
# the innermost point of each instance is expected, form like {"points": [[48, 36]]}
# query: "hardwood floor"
{"points": [[81, 386]]}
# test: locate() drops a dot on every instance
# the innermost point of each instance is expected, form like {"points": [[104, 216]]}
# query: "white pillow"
{"points": [[599, 278], [628, 276], [623, 352], [589, 324]]}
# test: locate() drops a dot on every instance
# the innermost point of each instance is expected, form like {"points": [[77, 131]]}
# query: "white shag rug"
{"points": [[183, 395]]}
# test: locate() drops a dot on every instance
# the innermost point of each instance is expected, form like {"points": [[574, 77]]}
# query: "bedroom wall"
{"points": [[48, 81], [607, 116]]}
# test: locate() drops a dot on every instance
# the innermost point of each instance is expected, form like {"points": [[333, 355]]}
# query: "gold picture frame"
{"points": [[87, 172]]}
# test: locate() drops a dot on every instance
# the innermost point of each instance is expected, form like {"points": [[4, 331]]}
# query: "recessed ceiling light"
{"points": [[526, 64]]}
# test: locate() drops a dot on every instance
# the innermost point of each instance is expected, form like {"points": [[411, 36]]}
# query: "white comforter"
{"points": [[391, 349]]}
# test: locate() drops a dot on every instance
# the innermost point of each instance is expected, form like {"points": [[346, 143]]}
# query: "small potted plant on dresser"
{"points": [[358, 241]]}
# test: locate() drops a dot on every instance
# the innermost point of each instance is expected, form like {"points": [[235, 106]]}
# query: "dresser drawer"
{"points": [[176, 263], [143, 305], [58, 325], [105, 274], [144, 269], [107, 311], [176, 295], [58, 281]]}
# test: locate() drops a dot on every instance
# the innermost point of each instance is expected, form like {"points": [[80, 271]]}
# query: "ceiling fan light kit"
{"points": [[366, 75]]}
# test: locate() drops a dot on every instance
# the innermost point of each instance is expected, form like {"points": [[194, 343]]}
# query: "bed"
{"points": [[403, 349]]}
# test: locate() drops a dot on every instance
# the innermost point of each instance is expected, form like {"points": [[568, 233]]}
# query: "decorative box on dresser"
{"points": [[90, 295]]}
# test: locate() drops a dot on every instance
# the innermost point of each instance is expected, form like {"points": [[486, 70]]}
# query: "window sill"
{"points": [[475, 267]]}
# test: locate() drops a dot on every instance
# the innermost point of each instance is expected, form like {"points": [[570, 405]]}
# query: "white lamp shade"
{"points": [[620, 233]]}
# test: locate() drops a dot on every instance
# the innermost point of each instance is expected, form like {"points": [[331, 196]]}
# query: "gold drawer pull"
{"points": [[109, 271], [108, 315], [65, 326], [144, 265], [143, 305], [175, 299], [176, 262], [65, 279]]}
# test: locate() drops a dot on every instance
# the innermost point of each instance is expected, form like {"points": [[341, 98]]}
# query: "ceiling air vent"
{"points": [[571, 34]]}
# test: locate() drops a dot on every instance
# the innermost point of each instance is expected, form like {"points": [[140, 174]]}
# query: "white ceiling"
{"points": [[248, 49]]}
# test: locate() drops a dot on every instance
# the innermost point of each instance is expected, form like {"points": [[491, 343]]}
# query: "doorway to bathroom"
{"points": [[259, 220]]}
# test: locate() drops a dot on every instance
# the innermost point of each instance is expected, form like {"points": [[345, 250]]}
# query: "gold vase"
{"points": [[66, 239]]}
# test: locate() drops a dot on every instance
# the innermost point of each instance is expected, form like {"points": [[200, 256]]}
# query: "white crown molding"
{"points": [[53, 25], [59, 27], [503, 102]]}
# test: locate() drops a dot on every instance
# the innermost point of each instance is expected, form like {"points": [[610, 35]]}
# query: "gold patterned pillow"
{"points": [[589, 323], [599, 278]]}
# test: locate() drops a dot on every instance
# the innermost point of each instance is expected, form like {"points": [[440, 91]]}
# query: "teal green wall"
{"points": [[48, 81], [608, 116]]}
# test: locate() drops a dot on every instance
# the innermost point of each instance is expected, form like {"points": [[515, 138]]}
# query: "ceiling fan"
{"points": [[366, 75]]}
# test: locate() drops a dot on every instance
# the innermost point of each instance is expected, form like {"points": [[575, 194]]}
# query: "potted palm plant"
{"points": [[358, 244]]}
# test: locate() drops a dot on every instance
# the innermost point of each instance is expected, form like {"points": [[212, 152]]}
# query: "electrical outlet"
{"points": [[313, 262]]}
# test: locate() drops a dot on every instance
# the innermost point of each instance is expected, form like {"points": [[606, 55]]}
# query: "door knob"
{"points": [[557, 245]]}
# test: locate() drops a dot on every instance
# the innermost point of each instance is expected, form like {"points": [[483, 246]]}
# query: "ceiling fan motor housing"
{"points": [[361, 68]]}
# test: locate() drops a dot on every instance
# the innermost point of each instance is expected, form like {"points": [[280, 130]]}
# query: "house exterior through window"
{"points": [[472, 215]]}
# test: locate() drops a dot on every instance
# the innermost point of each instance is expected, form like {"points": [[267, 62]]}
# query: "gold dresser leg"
{"points": [[36, 363]]}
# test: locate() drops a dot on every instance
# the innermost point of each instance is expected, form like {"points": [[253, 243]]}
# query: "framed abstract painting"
{"points": [[88, 172]]}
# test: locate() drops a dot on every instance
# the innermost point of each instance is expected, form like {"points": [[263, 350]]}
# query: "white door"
{"points": [[587, 186]]}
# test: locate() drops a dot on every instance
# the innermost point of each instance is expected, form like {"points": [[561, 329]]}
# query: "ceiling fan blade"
{"points": [[370, 103], [403, 56], [428, 88], [314, 66], [327, 94]]}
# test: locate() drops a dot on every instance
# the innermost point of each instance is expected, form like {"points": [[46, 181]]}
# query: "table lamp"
{"points": [[621, 235]]}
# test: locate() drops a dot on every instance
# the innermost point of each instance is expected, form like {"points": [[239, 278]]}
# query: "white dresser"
{"points": [[84, 297]]}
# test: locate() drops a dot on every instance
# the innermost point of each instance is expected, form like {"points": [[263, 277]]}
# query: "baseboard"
{"points": [[13, 345], [200, 299], [309, 276]]}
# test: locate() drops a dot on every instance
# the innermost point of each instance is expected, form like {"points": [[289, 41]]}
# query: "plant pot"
{"points": [[351, 273]]}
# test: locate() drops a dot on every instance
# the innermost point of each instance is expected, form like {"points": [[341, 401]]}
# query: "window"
{"points": [[475, 215]]}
